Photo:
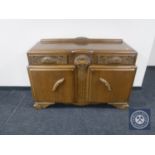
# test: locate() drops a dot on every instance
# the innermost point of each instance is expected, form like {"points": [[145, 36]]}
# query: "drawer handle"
{"points": [[106, 83], [57, 83], [116, 60], [48, 60]]}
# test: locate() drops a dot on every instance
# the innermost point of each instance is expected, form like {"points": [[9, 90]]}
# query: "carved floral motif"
{"points": [[124, 60], [39, 60]]}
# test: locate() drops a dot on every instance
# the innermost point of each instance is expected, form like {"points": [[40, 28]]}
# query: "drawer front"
{"points": [[52, 84], [47, 60], [116, 60], [110, 84]]}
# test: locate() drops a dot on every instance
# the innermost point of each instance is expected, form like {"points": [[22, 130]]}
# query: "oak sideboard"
{"points": [[81, 71]]}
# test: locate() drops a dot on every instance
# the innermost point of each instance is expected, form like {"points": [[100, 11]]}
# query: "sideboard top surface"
{"points": [[81, 43]]}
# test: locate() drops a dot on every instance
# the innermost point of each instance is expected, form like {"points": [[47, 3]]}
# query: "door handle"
{"points": [[106, 83], [57, 83]]}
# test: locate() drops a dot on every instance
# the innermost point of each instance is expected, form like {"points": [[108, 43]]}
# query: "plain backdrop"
{"points": [[152, 55], [18, 36]]}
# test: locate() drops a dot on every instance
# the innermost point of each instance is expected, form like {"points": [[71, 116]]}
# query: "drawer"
{"points": [[110, 84], [47, 60], [116, 59], [52, 83]]}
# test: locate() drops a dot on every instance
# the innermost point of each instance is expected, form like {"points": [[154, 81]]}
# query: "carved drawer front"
{"points": [[47, 60], [52, 83], [108, 84], [120, 60]]}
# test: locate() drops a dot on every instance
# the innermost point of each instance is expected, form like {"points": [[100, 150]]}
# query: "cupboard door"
{"points": [[110, 84], [52, 83]]}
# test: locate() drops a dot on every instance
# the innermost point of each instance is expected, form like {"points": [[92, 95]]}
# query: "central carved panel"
{"points": [[82, 62]]}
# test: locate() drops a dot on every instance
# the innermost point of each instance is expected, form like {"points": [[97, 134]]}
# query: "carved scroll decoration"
{"points": [[81, 62], [124, 60], [57, 83], [40, 60]]}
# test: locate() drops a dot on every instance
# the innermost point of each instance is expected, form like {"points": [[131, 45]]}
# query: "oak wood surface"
{"points": [[66, 45], [44, 78], [81, 71], [119, 79]]}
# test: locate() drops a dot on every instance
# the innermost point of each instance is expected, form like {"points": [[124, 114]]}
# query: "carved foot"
{"points": [[120, 105], [42, 105]]}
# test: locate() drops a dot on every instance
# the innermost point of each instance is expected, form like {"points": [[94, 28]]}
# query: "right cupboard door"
{"points": [[110, 83]]}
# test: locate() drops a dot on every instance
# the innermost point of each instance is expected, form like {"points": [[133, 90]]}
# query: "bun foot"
{"points": [[42, 105], [120, 105]]}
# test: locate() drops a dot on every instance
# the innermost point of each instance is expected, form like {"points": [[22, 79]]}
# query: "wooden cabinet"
{"points": [[53, 83], [81, 71]]}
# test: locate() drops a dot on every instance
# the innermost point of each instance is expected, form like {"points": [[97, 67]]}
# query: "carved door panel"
{"points": [[52, 83], [110, 84]]}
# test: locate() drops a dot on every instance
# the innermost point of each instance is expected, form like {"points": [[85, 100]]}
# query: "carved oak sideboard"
{"points": [[81, 71]]}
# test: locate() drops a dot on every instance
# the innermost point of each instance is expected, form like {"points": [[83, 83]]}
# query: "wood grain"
{"points": [[81, 71], [44, 78]]}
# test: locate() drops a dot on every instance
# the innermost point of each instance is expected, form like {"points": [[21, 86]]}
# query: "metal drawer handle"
{"points": [[106, 83], [57, 83]]}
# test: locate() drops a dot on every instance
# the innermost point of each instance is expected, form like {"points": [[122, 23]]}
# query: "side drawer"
{"points": [[47, 60], [110, 84], [52, 83], [116, 59]]}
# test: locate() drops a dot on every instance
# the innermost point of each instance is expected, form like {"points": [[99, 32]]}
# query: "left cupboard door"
{"points": [[52, 83]]}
